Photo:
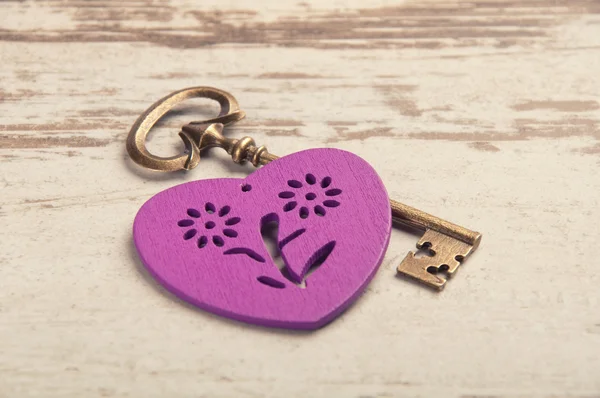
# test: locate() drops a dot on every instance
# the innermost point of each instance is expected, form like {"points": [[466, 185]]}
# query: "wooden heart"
{"points": [[202, 240]]}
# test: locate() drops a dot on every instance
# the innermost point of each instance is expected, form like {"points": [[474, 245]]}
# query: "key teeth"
{"points": [[424, 243], [413, 268], [443, 249]]}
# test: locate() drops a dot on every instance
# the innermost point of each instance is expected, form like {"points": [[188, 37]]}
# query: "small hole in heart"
{"points": [[193, 213], [270, 234], [185, 223], [333, 192], [246, 188], [209, 225], [218, 241], [303, 212], [319, 211], [319, 257], [233, 221], [224, 211], [331, 203], [310, 179], [325, 182], [290, 206], [230, 233], [287, 239], [295, 184], [265, 280], [210, 208], [202, 241], [311, 196], [249, 252], [286, 195], [189, 234]]}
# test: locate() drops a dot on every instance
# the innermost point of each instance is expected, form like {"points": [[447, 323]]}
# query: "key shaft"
{"points": [[421, 220]]}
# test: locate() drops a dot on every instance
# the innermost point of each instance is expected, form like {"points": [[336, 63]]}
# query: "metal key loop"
{"points": [[446, 244]]}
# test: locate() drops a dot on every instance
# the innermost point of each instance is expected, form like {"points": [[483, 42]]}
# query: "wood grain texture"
{"points": [[486, 113]]}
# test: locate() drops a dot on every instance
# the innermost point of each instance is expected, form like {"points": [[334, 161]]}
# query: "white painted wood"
{"points": [[486, 113]]}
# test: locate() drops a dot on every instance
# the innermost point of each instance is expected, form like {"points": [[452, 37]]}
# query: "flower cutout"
{"points": [[209, 223], [318, 196]]}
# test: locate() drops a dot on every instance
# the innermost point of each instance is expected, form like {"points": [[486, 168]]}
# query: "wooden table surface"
{"points": [[486, 113]]}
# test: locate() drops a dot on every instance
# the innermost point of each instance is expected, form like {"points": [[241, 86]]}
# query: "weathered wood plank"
{"points": [[485, 112]]}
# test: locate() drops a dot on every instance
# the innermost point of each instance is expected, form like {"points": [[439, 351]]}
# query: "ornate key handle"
{"points": [[446, 243], [136, 141]]}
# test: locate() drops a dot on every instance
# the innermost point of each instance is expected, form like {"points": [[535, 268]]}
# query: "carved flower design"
{"points": [[310, 194], [209, 226]]}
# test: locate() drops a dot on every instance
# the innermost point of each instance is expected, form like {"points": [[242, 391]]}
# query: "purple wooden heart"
{"points": [[202, 240]]}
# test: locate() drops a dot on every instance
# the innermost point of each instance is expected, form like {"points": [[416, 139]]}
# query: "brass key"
{"points": [[446, 243]]}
